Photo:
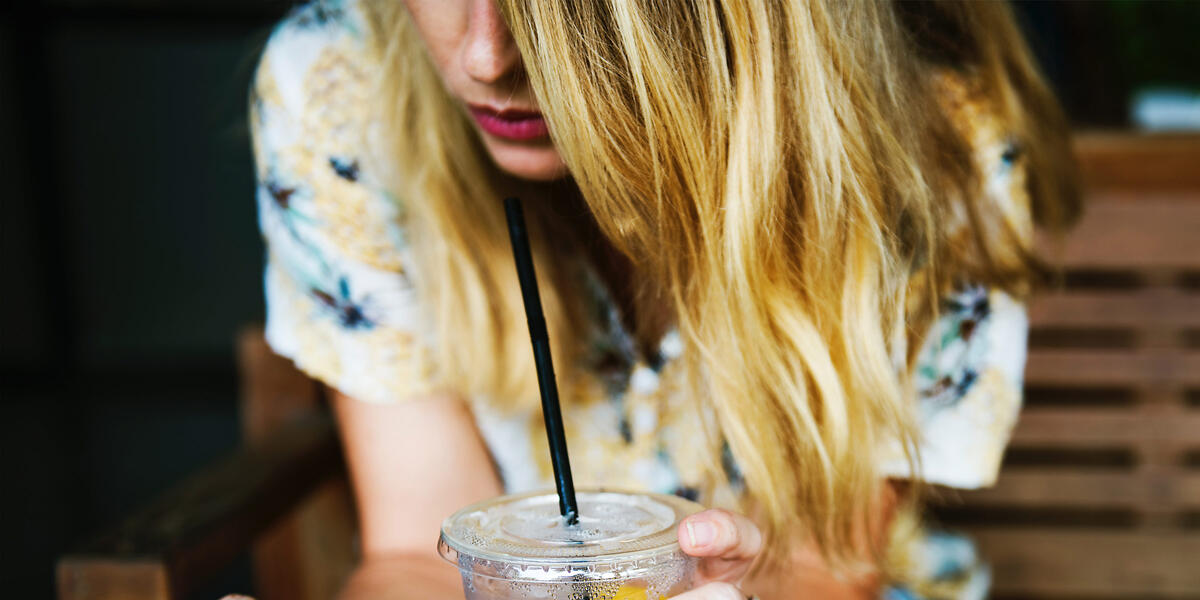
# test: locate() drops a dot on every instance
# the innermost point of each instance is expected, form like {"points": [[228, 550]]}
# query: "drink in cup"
{"points": [[624, 547]]}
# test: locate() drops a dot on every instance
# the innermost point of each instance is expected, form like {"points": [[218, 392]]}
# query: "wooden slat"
{"points": [[1092, 563], [1099, 427], [1155, 307], [1095, 368], [1139, 161], [128, 579], [1132, 233], [1058, 487]]}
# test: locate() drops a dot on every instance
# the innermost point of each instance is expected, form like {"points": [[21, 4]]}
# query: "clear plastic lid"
{"points": [[620, 535]]}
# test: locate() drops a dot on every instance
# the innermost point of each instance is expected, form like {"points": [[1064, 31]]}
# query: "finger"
{"points": [[713, 591], [717, 533]]}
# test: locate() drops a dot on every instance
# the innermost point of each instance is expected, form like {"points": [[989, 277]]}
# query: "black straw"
{"points": [[551, 411]]}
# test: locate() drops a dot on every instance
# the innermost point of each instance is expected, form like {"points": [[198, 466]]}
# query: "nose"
{"points": [[489, 54]]}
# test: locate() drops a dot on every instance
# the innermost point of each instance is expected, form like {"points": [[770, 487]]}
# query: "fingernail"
{"points": [[700, 533]]}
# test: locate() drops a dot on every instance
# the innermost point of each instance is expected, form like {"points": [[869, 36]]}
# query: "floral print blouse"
{"points": [[340, 305]]}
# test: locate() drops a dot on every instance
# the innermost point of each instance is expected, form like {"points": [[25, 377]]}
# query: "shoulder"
{"points": [[319, 56], [327, 215], [996, 153], [972, 111]]}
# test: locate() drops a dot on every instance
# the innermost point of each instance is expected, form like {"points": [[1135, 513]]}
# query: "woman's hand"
{"points": [[726, 544]]}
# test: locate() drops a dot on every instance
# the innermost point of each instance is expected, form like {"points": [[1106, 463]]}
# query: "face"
{"points": [[481, 67]]}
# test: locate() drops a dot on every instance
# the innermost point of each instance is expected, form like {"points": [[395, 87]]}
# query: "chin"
{"points": [[536, 162]]}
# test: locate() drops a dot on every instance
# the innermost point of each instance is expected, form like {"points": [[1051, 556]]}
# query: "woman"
{"points": [[783, 247]]}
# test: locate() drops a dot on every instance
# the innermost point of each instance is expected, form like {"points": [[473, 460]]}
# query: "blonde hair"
{"points": [[777, 171]]}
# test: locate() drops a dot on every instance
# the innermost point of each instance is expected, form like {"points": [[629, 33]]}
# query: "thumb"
{"points": [[727, 543]]}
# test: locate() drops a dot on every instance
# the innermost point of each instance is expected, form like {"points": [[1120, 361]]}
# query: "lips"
{"points": [[519, 125]]}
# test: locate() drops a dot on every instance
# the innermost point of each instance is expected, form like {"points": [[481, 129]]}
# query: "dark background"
{"points": [[130, 256], [129, 251]]}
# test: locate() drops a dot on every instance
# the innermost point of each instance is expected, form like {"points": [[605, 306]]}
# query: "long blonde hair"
{"points": [[778, 171]]}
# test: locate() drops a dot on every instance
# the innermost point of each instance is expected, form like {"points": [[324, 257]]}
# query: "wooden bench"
{"points": [[283, 495], [1099, 496]]}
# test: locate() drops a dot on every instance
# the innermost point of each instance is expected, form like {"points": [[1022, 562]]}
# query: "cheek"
{"points": [[442, 25]]}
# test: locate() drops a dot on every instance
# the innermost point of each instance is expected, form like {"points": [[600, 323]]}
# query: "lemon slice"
{"points": [[631, 592]]}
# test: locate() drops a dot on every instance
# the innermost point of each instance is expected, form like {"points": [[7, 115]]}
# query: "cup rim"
{"points": [[450, 548]]}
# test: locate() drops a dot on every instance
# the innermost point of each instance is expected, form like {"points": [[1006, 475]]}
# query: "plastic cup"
{"points": [[518, 546]]}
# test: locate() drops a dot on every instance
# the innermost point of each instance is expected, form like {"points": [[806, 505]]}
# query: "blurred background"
{"points": [[130, 254]]}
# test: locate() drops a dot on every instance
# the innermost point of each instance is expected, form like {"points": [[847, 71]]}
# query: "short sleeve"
{"points": [[969, 369], [968, 379], [339, 302]]}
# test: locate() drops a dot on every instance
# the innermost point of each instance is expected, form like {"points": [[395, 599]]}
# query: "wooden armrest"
{"points": [[196, 528]]}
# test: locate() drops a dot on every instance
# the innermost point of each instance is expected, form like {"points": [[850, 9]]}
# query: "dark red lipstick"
{"points": [[519, 125]]}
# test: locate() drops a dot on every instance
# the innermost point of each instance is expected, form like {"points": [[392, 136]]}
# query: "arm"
{"points": [[341, 306], [411, 465]]}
